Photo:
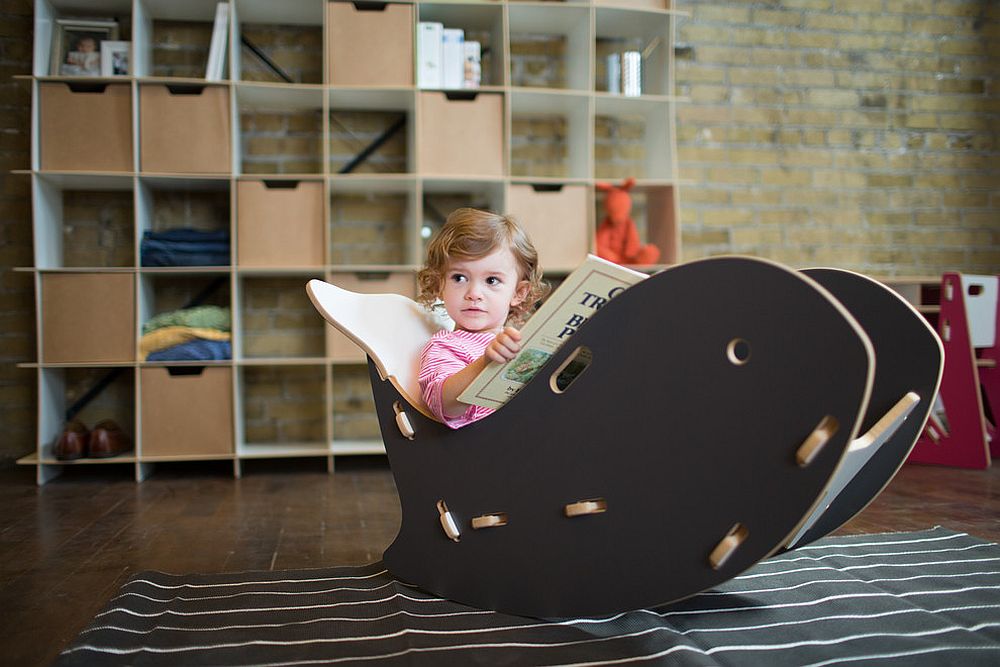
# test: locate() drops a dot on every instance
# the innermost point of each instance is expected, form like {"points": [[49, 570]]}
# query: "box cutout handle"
{"points": [[185, 370], [571, 369], [185, 88], [273, 184], [372, 276], [975, 290], [586, 507], [367, 6], [84, 87], [448, 522], [547, 187], [461, 95]]}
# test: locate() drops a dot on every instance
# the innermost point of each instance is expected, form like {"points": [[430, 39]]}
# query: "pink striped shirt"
{"points": [[445, 354]]}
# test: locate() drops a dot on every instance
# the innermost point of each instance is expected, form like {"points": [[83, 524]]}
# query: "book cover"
{"points": [[215, 68], [452, 57], [429, 36], [585, 290], [472, 71]]}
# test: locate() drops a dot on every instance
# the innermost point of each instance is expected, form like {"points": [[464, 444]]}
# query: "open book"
{"points": [[587, 288]]}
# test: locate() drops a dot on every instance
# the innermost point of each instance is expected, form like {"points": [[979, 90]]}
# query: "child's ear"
{"points": [[521, 292]]}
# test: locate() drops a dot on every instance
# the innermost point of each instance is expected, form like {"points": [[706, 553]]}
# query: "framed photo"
{"points": [[76, 46], [115, 58]]}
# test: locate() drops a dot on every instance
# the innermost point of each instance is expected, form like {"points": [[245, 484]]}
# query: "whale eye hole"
{"points": [[571, 369], [738, 351]]}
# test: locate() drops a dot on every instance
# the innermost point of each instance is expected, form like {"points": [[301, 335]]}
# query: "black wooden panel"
{"points": [[680, 442]]}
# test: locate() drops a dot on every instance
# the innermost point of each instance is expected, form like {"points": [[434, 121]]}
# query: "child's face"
{"points": [[478, 293], [86, 45]]}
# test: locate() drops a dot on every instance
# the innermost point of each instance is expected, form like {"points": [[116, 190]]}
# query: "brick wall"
{"points": [[17, 305], [854, 133], [862, 134]]}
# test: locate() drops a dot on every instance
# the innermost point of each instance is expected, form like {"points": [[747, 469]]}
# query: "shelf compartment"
{"points": [[48, 12], [59, 389], [442, 196], [370, 44], [283, 410], [355, 422], [281, 129], [186, 411], [279, 223], [483, 23], [277, 320], [85, 126], [87, 317], [550, 135], [184, 128], [372, 223], [83, 221], [557, 218], [550, 46], [171, 204], [648, 33], [172, 39], [461, 134], [340, 349], [290, 35], [654, 211], [371, 131], [168, 292], [633, 137]]}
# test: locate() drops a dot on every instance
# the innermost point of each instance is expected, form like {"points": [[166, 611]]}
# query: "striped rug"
{"points": [[919, 598]]}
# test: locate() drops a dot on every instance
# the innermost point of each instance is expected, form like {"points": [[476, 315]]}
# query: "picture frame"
{"points": [[76, 46], [115, 58]]}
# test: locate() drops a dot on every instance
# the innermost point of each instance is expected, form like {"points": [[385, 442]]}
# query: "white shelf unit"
{"points": [[430, 173]]}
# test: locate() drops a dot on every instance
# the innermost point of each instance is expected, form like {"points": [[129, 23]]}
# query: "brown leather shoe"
{"points": [[108, 439], [72, 442]]}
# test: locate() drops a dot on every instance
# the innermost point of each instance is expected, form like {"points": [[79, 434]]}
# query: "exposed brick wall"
{"points": [[862, 134], [17, 293]]}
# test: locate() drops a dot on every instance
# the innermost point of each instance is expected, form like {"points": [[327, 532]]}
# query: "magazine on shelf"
{"points": [[217, 50], [585, 290]]}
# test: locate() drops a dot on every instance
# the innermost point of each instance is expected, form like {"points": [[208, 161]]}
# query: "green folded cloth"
{"points": [[203, 317]]}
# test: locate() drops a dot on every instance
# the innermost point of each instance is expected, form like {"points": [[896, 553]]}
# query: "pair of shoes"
{"points": [[105, 440]]}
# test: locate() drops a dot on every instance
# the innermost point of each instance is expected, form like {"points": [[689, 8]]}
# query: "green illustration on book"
{"points": [[524, 367]]}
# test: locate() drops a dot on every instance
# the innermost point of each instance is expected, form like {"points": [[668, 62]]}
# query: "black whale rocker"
{"points": [[732, 408]]}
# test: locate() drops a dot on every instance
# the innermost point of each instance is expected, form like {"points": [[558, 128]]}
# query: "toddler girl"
{"points": [[484, 268]]}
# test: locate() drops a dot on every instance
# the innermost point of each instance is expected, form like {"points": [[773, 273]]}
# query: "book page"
{"points": [[590, 286]]}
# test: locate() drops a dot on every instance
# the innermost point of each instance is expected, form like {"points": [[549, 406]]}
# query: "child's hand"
{"points": [[505, 346]]}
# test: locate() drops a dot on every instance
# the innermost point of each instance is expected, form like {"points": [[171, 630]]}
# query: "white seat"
{"points": [[392, 330]]}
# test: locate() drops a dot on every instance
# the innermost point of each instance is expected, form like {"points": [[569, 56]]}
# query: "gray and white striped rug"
{"points": [[920, 598]]}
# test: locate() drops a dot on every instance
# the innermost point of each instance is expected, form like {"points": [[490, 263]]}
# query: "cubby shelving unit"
{"points": [[274, 161]]}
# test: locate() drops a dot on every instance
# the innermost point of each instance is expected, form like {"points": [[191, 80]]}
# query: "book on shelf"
{"points": [[472, 71], [429, 43], [591, 285], [452, 57], [217, 50]]}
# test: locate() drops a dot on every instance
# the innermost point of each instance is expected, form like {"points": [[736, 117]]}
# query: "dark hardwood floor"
{"points": [[65, 548]]}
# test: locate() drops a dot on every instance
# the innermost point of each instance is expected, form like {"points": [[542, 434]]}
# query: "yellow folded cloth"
{"points": [[170, 336]]}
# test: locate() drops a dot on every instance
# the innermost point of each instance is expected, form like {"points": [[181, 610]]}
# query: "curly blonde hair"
{"points": [[470, 234]]}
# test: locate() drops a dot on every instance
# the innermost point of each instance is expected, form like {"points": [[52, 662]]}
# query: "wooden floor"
{"points": [[65, 548]]}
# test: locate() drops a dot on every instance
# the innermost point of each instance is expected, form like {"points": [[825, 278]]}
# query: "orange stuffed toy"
{"points": [[617, 236]]}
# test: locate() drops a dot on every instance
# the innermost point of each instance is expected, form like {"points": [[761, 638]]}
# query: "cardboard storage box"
{"points": [[187, 413], [370, 45], [461, 135], [279, 223], [341, 348], [85, 126], [87, 317], [184, 129], [557, 220]]}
